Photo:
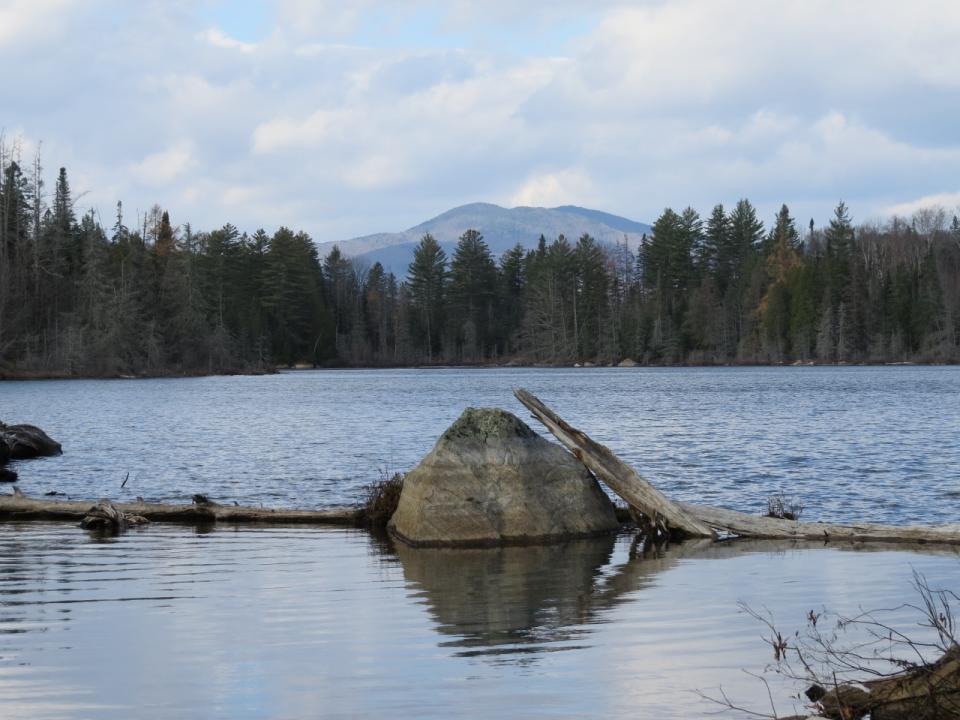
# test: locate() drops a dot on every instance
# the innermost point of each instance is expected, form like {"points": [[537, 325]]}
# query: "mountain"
{"points": [[502, 228]]}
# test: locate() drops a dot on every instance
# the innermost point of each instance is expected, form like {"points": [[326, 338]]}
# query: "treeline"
{"points": [[79, 298]]}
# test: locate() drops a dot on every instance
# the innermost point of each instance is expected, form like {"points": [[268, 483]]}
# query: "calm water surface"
{"points": [[243, 623], [849, 442], [168, 622]]}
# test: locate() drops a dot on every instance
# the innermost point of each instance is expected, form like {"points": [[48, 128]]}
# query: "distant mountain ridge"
{"points": [[502, 228]]}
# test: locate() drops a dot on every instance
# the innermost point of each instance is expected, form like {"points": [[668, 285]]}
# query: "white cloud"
{"points": [[565, 187], [344, 119], [283, 133], [28, 21], [163, 167], [321, 17], [219, 39], [946, 200]]}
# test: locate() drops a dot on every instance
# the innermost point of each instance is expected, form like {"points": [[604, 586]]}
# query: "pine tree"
{"points": [[472, 292], [782, 261], [715, 241], [591, 302], [512, 280], [426, 279]]}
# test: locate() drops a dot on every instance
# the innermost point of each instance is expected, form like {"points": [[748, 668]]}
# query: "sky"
{"points": [[349, 118]]}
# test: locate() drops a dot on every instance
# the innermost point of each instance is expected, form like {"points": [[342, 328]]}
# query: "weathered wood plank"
{"points": [[753, 526], [618, 476]]}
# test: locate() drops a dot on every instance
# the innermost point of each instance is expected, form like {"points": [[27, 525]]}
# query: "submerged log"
{"points": [[703, 520], [21, 507], [620, 477]]}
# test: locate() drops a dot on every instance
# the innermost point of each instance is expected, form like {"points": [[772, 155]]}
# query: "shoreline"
{"points": [[27, 375]]}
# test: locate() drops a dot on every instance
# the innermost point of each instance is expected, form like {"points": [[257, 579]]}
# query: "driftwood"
{"points": [[619, 477], [105, 516], [928, 691], [704, 520], [744, 525], [21, 507]]}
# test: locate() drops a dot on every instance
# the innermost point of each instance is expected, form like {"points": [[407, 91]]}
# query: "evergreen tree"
{"points": [[427, 276], [472, 292], [157, 298], [512, 280], [590, 304], [714, 247], [782, 261]]}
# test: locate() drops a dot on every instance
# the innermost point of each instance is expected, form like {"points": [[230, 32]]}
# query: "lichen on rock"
{"points": [[485, 423]]}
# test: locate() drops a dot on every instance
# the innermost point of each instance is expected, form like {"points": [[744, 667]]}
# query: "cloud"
{"points": [[564, 187], [163, 167], [27, 22], [218, 38], [345, 119], [946, 200], [283, 133]]}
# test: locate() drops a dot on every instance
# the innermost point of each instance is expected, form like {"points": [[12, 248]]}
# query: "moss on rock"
{"points": [[485, 423]]}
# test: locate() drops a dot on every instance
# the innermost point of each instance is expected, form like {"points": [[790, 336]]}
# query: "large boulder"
{"points": [[27, 441], [492, 480]]}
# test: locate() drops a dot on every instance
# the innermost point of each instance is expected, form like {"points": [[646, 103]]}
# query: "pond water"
{"points": [[849, 442], [250, 622], [170, 622]]}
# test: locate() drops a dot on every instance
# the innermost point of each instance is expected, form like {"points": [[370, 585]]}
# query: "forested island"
{"points": [[79, 297]]}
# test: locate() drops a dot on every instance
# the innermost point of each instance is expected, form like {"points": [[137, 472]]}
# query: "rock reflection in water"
{"points": [[531, 599]]}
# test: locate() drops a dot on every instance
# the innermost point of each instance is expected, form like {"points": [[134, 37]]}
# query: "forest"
{"points": [[79, 297]]}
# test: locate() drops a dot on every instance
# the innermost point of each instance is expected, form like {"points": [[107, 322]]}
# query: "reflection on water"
{"points": [[511, 599], [297, 622], [529, 600]]}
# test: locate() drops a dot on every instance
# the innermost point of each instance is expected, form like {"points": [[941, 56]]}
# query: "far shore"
{"points": [[14, 375]]}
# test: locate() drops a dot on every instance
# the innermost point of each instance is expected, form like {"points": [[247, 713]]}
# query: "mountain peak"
{"points": [[501, 227]]}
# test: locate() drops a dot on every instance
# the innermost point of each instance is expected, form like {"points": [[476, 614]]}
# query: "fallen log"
{"points": [[21, 507], [703, 520], [927, 692], [620, 477], [744, 525]]}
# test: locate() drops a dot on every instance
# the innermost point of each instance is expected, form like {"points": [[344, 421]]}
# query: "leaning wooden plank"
{"points": [[618, 476], [14, 507], [753, 526]]}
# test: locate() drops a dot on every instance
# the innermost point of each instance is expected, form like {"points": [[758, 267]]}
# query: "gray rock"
{"points": [[492, 480], [27, 441]]}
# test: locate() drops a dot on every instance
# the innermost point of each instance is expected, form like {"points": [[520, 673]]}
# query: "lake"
{"points": [[168, 622], [875, 443], [249, 622]]}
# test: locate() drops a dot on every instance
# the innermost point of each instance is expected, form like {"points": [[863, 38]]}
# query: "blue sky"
{"points": [[246, 20], [347, 118]]}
